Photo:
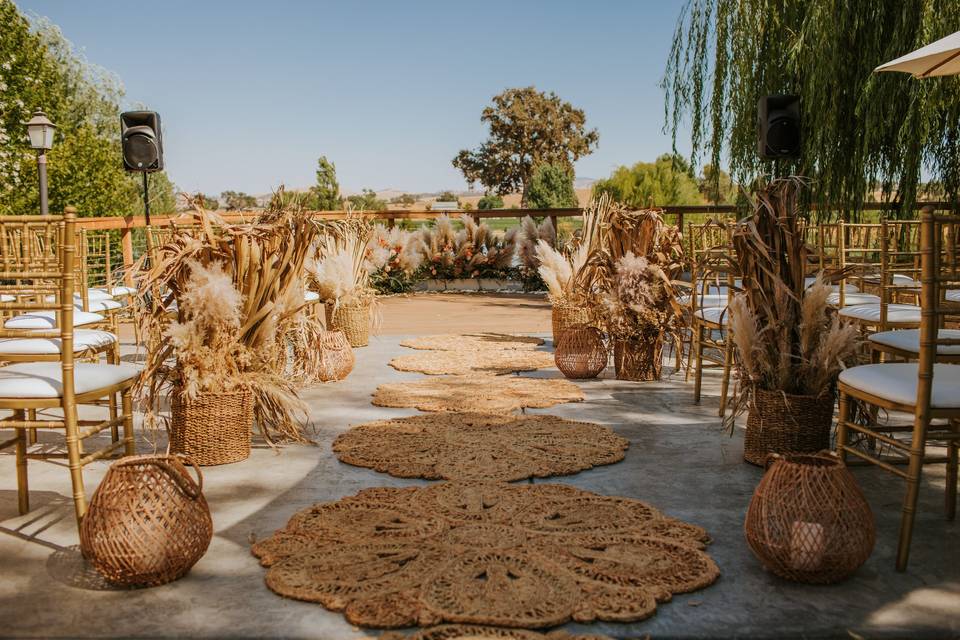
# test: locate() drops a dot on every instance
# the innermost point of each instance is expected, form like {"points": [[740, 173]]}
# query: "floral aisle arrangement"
{"points": [[789, 349], [472, 252], [393, 257]]}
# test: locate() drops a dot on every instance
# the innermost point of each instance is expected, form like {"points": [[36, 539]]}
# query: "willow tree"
{"points": [[863, 133]]}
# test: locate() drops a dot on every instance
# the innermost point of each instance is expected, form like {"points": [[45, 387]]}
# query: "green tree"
{"points": [[551, 187], [237, 200], [448, 196], [667, 181], [327, 190], [210, 202], [716, 186], [367, 200], [490, 201], [527, 128], [862, 130], [405, 199]]}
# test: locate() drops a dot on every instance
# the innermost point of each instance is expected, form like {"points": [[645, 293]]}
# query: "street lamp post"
{"points": [[41, 131]]}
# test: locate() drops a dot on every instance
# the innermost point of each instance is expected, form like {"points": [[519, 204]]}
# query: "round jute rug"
{"points": [[479, 446], [476, 632], [472, 342], [493, 361], [477, 392], [522, 556]]}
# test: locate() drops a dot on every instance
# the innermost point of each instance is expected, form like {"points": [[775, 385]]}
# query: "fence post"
{"points": [[126, 242]]}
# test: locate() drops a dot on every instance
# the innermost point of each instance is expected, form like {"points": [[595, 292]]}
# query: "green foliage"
{"points": [[367, 200], [237, 200], [210, 202], [405, 199], [527, 128], [716, 186], [40, 69], [490, 201], [862, 130], [551, 187], [327, 190], [448, 196], [667, 181]]}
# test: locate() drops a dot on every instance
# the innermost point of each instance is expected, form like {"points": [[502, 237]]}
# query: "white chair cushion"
{"points": [[99, 306], [953, 295], [45, 379], [704, 300], [896, 313], [896, 279], [96, 294], [909, 340], [715, 286], [850, 299], [897, 382], [48, 320], [716, 315], [310, 296], [809, 280], [82, 340], [6, 297], [119, 292]]}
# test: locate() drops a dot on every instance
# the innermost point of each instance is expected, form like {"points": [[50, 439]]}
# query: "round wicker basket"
{"points": [[213, 428], [785, 423], [352, 318], [565, 315], [148, 522], [808, 521], [638, 360], [581, 353], [336, 357]]}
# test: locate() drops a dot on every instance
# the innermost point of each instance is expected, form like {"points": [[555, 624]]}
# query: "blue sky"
{"points": [[252, 92]]}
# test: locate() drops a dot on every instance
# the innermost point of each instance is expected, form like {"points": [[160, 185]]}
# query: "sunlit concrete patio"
{"points": [[679, 461]]}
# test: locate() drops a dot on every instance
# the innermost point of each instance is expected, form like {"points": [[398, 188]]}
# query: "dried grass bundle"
{"points": [[340, 269], [640, 305], [473, 252], [529, 236], [559, 270]]}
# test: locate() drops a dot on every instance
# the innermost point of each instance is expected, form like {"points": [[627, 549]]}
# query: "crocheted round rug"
{"points": [[477, 392], [523, 556], [472, 342], [476, 632], [494, 361], [479, 446]]}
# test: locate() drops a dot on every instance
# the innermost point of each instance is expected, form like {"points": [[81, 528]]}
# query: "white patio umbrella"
{"points": [[941, 58]]}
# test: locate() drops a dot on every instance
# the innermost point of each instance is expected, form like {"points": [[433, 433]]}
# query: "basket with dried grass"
{"points": [[558, 271], [789, 349], [336, 357], [581, 352]]}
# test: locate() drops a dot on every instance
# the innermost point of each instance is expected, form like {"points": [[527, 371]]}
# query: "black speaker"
{"points": [[141, 141], [779, 127]]}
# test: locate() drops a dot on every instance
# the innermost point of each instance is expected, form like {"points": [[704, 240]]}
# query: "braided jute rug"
{"points": [[474, 632], [479, 446], [492, 361], [472, 342], [520, 556], [477, 392]]}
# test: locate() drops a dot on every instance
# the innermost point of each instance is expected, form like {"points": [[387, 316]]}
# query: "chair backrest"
{"points": [[711, 260], [39, 273], [940, 273]]}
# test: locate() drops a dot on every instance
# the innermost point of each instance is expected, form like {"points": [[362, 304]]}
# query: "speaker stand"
{"points": [[146, 198]]}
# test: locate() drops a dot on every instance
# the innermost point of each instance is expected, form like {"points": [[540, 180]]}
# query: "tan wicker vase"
{"points": [[581, 353], [336, 357], [638, 360], [808, 521], [565, 315], [148, 522], [214, 428], [351, 318], [786, 423]]}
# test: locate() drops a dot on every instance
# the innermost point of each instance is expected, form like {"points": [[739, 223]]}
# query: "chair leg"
{"points": [[842, 418], [698, 374], [23, 485], [727, 363], [73, 456], [32, 433], [914, 471], [953, 453], [130, 447]]}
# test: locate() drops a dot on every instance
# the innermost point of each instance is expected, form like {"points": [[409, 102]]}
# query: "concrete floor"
{"points": [[678, 460]]}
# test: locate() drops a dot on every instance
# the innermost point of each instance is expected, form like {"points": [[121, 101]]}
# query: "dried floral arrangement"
{"points": [[474, 251], [393, 257], [527, 240], [786, 340], [225, 336], [340, 269], [559, 271]]}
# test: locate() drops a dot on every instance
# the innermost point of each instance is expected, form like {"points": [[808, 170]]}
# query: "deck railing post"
{"points": [[126, 242]]}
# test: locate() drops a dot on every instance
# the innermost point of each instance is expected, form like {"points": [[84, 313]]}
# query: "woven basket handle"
{"points": [[182, 478]]}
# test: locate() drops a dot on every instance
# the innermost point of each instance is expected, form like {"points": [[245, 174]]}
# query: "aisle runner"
{"points": [[494, 394]]}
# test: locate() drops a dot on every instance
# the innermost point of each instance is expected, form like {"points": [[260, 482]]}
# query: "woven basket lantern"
{"points": [[566, 315], [638, 360], [352, 318], [213, 428], [148, 522], [808, 521], [336, 357], [785, 423], [581, 353]]}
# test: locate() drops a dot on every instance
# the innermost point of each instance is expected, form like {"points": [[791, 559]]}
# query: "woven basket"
{"points": [[566, 315], [213, 428], [336, 357], [353, 319], [580, 353], [808, 521], [786, 423], [148, 522], [638, 360]]}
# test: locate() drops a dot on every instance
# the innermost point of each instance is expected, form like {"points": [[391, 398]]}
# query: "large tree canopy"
{"points": [[668, 180], [862, 131], [551, 187], [528, 128]]}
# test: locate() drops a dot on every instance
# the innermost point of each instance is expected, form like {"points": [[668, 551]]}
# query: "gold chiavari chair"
{"points": [[103, 279], [61, 384], [926, 389]]}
